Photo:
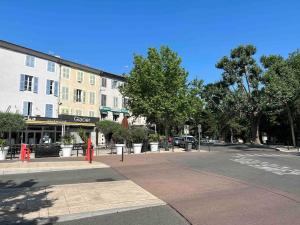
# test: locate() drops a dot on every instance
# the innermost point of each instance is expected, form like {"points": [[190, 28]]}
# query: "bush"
{"points": [[137, 134], [153, 137], [107, 127], [120, 135], [67, 139], [2, 143]]}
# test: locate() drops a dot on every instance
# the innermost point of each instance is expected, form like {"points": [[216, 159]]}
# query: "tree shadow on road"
{"points": [[242, 147], [24, 204]]}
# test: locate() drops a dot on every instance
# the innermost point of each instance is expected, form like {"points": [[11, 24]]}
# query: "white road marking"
{"points": [[246, 159]]}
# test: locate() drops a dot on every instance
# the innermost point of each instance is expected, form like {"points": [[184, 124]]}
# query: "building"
{"points": [[57, 95]]}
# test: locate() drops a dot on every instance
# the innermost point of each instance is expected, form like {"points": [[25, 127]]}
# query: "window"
{"points": [[92, 79], [80, 76], [114, 84], [103, 82], [92, 98], [49, 110], [52, 87], [30, 60], [27, 108], [66, 72], [78, 112], [79, 95], [103, 100], [115, 102], [65, 93], [91, 114], [124, 102], [65, 111], [28, 83], [51, 66]]}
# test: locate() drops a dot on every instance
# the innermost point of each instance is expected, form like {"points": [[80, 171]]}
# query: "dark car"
{"points": [[177, 141], [188, 139]]}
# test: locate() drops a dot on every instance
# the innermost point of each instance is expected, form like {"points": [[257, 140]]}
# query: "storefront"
{"points": [[41, 130]]}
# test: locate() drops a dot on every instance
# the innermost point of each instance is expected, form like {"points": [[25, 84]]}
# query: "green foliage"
{"points": [[68, 139], [137, 134], [11, 122], [153, 137], [84, 137], [107, 127], [120, 135], [157, 89], [243, 77], [2, 142]]}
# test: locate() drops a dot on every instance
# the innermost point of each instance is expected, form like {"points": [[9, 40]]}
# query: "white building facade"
{"points": [[29, 85]]}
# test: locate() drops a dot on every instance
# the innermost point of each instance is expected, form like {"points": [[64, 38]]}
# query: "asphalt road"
{"points": [[230, 185]]}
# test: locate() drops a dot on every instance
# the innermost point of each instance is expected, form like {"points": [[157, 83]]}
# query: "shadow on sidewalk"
{"points": [[23, 204]]}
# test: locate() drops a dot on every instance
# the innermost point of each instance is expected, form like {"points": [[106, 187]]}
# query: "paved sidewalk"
{"points": [[73, 201], [17, 167]]}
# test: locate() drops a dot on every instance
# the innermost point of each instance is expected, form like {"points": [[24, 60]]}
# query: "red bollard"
{"points": [[25, 153], [89, 151]]}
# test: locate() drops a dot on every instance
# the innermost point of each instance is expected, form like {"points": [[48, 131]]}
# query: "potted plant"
{"points": [[153, 139], [120, 136], [137, 136], [67, 145], [3, 149]]}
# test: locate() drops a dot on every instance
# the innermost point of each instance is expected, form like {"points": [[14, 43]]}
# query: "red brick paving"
{"points": [[207, 198]]}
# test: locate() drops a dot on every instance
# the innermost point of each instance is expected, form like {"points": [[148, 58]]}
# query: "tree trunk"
{"points": [[291, 121], [231, 135], [255, 128]]}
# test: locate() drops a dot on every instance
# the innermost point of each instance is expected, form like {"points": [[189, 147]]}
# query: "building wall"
{"points": [[72, 84], [12, 65]]}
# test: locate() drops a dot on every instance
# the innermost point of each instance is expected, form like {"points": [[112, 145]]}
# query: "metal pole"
{"points": [[199, 141], [122, 154]]}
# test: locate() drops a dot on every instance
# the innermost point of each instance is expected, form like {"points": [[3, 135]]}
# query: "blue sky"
{"points": [[106, 33]]}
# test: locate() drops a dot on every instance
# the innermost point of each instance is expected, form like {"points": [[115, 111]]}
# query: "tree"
{"points": [[10, 122], [156, 88], [222, 114], [243, 77], [282, 86]]}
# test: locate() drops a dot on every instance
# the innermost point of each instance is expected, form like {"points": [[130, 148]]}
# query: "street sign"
{"points": [[199, 128]]}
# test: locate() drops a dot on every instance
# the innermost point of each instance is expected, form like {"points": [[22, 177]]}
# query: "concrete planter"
{"points": [[3, 153], [154, 146], [66, 150], [137, 148], [119, 148]]}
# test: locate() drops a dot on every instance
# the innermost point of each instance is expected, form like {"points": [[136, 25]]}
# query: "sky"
{"points": [[107, 33]]}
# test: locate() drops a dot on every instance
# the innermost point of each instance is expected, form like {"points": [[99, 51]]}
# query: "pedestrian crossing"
{"points": [[252, 161]]}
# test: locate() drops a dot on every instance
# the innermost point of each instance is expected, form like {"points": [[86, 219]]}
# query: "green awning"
{"points": [[105, 109]]}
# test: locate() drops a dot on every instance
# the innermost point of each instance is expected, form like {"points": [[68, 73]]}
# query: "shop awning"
{"points": [[105, 110]]}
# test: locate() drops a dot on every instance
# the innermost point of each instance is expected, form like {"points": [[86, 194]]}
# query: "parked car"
{"points": [[177, 140], [189, 139]]}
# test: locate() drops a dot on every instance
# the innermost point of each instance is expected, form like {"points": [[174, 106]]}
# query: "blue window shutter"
{"points": [[22, 82], [25, 108], [56, 88], [36, 85], [48, 87], [49, 110]]}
